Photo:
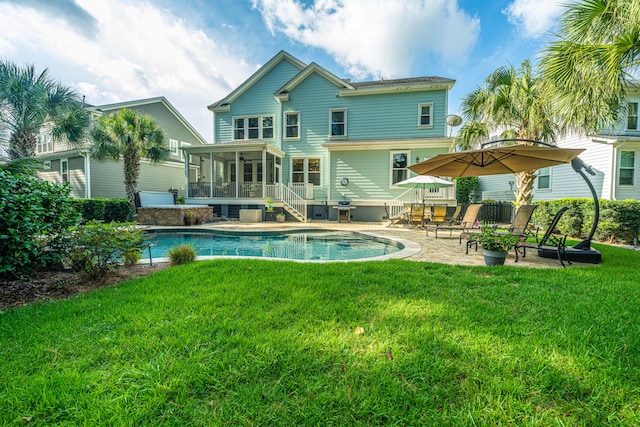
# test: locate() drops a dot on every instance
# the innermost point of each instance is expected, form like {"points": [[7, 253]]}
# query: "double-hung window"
{"points": [[627, 168], [173, 146], [399, 163], [305, 170], [256, 127], [544, 178], [45, 143], [338, 125], [64, 170], [291, 125], [425, 115], [632, 116]]}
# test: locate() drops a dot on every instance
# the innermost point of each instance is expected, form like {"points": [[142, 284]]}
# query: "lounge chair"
{"points": [[455, 215], [551, 242], [468, 222], [519, 227], [416, 218], [396, 219], [439, 214]]}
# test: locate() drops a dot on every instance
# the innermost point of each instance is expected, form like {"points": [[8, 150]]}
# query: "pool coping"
{"points": [[410, 248]]}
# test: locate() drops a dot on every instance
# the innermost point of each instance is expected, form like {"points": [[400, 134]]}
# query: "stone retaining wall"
{"points": [[173, 215]]}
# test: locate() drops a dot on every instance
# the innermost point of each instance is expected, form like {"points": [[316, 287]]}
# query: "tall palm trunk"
{"points": [[22, 144], [131, 174], [524, 187]]}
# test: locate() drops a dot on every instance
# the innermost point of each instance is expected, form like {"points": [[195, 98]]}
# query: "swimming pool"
{"points": [[305, 245]]}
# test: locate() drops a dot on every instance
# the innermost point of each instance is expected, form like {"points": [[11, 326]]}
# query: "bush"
{"points": [[619, 219], [182, 254], [34, 215], [107, 210], [465, 187], [97, 248]]}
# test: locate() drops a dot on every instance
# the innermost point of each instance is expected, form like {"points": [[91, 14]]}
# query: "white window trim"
{"points": [[284, 126], [306, 169], [335, 110], [637, 118], [549, 174], [246, 127], [64, 161], [425, 104], [620, 167], [173, 146], [46, 141], [391, 169]]}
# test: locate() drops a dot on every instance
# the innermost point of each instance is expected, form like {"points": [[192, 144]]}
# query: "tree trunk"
{"points": [[131, 165], [524, 187], [22, 144]]}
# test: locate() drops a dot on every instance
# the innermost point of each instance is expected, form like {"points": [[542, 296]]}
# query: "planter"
{"points": [[280, 218], [494, 257], [190, 220]]}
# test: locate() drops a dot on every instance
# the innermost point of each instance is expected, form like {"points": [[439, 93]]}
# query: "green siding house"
{"points": [[307, 139], [90, 178]]}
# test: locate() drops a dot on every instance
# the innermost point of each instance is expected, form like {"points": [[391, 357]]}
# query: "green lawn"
{"points": [[246, 342]]}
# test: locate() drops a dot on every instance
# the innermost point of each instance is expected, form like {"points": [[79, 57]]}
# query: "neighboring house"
{"points": [[91, 178], [300, 135], [612, 155]]}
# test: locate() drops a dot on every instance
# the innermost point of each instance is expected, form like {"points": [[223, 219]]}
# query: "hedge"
{"points": [[619, 219], [107, 210]]}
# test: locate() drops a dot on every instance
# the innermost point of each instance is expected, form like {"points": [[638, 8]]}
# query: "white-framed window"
{"points": [[64, 170], [306, 170], [45, 143], [254, 127], [399, 163], [338, 123], [626, 171], [183, 144], [291, 125], [544, 179], [173, 146], [632, 116], [425, 115]]}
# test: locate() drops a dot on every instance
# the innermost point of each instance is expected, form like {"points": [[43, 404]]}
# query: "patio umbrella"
{"points": [[494, 161], [423, 182]]}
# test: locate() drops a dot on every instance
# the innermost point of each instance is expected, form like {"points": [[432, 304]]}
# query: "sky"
{"points": [[194, 52]]}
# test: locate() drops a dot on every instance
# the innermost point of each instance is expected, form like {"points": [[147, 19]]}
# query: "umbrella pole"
{"points": [[577, 166]]}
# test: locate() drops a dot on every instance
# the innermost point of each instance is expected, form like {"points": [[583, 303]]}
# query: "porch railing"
{"points": [[294, 201], [302, 189]]}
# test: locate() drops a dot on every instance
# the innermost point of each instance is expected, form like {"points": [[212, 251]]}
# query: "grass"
{"points": [[239, 342]]}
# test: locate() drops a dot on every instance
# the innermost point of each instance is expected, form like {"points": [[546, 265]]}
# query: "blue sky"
{"points": [[194, 52]]}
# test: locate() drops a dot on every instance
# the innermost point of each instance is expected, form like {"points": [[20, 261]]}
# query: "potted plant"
{"points": [[268, 202], [495, 244], [190, 218], [280, 217]]}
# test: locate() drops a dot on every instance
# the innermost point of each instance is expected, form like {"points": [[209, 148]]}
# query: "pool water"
{"points": [[299, 245]]}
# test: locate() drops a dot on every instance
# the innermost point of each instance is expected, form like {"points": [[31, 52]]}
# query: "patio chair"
{"points": [[468, 222], [552, 242], [456, 214], [396, 219], [417, 215], [439, 214], [519, 227]]}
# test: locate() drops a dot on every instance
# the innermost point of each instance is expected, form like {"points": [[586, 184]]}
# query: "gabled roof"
{"points": [[283, 92], [281, 56], [147, 101]]}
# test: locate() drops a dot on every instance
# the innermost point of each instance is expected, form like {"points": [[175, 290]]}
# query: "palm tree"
{"points": [[30, 101], [514, 103], [590, 64], [129, 136]]}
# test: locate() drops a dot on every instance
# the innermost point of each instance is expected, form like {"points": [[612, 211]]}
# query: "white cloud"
{"points": [[137, 51], [535, 17], [378, 38]]}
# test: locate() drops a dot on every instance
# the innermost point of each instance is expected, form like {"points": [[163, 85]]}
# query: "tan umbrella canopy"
{"points": [[494, 161]]}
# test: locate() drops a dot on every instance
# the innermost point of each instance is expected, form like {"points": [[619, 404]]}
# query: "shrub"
{"points": [[97, 248], [182, 254], [465, 187], [107, 210], [34, 215]]}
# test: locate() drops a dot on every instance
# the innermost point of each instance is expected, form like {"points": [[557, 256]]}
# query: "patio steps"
{"points": [[294, 214]]}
